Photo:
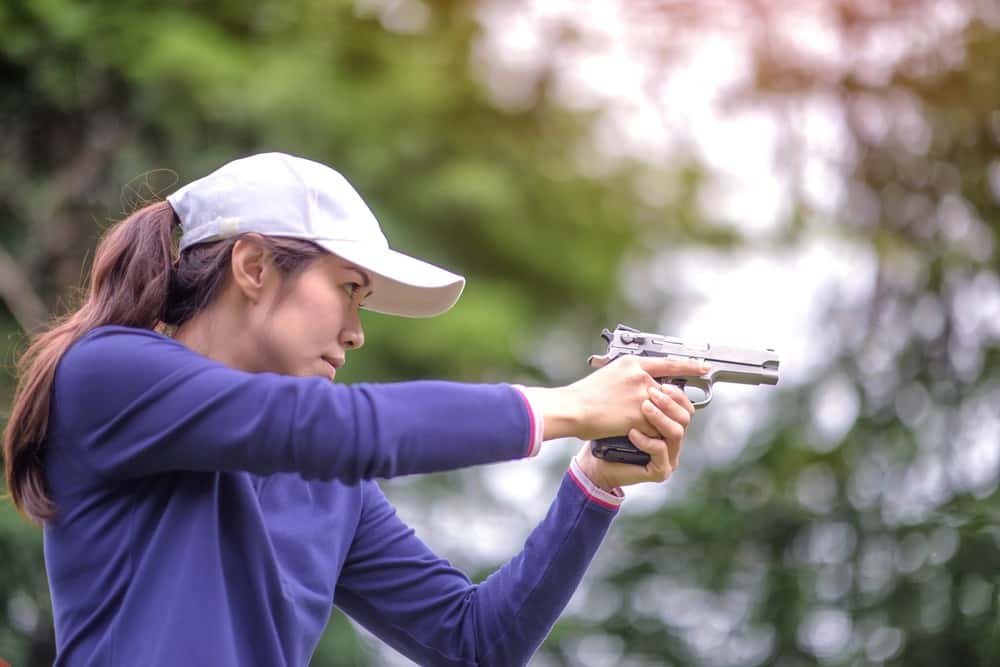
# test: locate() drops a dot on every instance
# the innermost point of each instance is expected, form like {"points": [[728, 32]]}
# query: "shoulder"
{"points": [[107, 355], [116, 341], [107, 338]]}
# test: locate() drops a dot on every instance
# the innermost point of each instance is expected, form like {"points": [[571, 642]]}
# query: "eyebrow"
{"points": [[365, 280]]}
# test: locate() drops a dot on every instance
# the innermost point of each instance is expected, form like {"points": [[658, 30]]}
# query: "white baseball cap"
{"points": [[282, 195]]}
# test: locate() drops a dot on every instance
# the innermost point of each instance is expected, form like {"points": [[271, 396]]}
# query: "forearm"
{"points": [[516, 607], [394, 585]]}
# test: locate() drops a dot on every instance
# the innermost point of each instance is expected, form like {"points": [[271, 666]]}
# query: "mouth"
{"points": [[334, 364]]}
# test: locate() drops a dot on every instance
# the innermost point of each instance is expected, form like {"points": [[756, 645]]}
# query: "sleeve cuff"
{"points": [[592, 491], [537, 427]]}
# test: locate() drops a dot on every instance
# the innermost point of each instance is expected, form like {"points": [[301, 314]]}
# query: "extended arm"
{"points": [[129, 403]]}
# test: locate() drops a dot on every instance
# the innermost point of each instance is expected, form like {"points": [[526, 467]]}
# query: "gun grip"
{"points": [[618, 449]]}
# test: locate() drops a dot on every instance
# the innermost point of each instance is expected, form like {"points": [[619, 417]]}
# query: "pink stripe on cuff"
{"points": [[595, 493], [537, 424]]}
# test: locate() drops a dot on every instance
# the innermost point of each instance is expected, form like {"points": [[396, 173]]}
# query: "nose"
{"points": [[352, 336]]}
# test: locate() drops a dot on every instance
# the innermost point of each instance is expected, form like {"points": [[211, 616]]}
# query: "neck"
{"points": [[215, 336]]}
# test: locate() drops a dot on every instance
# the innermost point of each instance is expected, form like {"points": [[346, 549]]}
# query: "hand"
{"points": [[670, 411], [609, 401], [611, 398]]}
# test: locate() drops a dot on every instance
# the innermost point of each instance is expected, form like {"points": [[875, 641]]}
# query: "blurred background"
{"points": [[816, 176]]}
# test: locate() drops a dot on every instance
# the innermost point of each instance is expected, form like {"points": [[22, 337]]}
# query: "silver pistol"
{"points": [[729, 364]]}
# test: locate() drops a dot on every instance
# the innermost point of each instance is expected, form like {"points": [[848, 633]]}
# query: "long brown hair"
{"points": [[135, 281]]}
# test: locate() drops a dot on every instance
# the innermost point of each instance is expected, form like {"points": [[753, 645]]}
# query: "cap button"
{"points": [[228, 226]]}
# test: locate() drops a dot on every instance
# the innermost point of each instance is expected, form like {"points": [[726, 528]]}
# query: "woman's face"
{"points": [[306, 324]]}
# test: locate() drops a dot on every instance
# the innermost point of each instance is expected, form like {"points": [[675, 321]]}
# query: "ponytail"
{"points": [[128, 286]]}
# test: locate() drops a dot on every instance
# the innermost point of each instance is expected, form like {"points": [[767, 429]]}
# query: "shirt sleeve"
{"points": [[610, 499], [423, 607], [537, 423], [130, 402]]}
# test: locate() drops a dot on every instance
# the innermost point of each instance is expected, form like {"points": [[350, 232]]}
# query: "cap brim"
{"points": [[401, 284]]}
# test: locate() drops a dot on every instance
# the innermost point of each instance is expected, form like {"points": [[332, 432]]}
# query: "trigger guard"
{"points": [[698, 405], [700, 383]]}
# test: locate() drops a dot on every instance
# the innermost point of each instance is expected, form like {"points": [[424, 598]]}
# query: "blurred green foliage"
{"points": [[879, 547]]}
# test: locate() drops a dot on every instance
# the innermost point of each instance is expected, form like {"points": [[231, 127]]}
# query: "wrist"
{"points": [[559, 409], [611, 499], [590, 467]]}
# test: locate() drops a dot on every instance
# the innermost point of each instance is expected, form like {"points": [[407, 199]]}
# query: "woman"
{"points": [[208, 496]]}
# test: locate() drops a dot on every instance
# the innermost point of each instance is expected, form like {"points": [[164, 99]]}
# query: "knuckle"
{"points": [[664, 427], [632, 364], [673, 395], [676, 431]]}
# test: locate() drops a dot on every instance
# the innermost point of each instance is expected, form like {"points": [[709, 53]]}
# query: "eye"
{"points": [[351, 289]]}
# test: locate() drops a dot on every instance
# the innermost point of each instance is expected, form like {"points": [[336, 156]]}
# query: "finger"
{"points": [[673, 402], [660, 367], [674, 453], [674, 446], [652, 417], [666, 428], [680, 396], [670, 431], [659, 464]]}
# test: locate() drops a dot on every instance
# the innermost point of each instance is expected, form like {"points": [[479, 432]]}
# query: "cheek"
{"points": [[275, 339], [278, 332], [317, 311], [306, 321]]}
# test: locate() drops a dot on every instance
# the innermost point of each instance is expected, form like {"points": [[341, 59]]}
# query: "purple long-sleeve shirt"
{"points": [[212, 516]]}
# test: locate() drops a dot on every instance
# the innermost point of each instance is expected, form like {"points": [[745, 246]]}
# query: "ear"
{"points": [[251, 269]]}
